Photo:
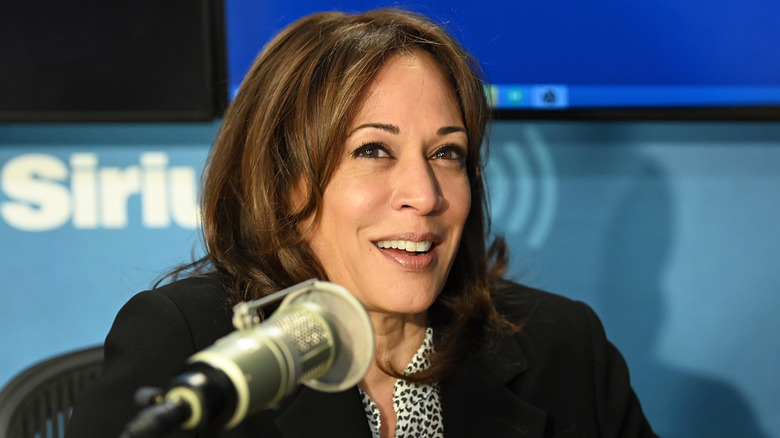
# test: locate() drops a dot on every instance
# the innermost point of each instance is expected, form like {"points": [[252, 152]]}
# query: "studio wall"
{"points": [[667, 229]]}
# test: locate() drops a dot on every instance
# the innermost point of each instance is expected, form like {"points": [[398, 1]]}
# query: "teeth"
{"points": [[407, 245]]}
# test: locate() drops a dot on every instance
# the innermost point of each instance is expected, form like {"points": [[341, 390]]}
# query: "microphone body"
{"points": [[266, 363], [320, 336]]}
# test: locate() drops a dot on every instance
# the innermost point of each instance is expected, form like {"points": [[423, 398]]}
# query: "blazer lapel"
{"points": [[314, 413], [476, 402]]}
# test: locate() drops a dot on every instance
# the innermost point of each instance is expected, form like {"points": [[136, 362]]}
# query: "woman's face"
{"points": [[394, 210]]}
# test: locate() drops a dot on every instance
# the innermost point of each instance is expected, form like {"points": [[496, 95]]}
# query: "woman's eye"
{"points": [[451, 152], [371, 150]]}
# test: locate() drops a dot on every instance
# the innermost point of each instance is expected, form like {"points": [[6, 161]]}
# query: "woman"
{"points": [[352, 153]]}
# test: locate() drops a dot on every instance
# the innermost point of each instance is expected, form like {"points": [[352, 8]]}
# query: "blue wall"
{"points": [[667, 229]]}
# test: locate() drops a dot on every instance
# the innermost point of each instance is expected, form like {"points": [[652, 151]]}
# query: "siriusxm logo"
{"points": [[42, 192]]}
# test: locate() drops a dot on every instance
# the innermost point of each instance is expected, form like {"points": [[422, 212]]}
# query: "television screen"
{"points": [[665, 59], [118, 60]]}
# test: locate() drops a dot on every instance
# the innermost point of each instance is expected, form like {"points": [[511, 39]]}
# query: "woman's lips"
{"points": [[410, 260]]}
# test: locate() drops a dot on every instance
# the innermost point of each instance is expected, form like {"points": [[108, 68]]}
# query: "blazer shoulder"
{"points": [[201, 303], [561, 328], [151, 338], [198, 289], [562, 344], [183, 316], [527, 305]]}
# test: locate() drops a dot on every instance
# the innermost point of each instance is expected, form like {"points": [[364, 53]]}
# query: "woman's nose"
{"points": [[416, 187]]}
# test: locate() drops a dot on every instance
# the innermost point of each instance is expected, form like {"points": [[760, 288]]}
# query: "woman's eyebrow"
{"points": [[450, 129], [393, 129]]}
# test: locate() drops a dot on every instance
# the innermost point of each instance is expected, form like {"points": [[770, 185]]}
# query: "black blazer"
{"points": [[559, 377]]}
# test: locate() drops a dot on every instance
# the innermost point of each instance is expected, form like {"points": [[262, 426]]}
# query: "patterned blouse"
{"points": [[417, 406]]}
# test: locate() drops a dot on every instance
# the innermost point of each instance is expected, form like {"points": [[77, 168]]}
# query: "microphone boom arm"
{"points": [[320, 336], [246, 313]]}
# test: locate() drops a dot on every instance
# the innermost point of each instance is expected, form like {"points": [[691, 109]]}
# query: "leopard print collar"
{"points": [[417, 406]]}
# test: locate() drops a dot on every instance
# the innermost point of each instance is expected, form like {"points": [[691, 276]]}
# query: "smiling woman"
{"points": [[352, 153], [401, 182], [394, 210]]}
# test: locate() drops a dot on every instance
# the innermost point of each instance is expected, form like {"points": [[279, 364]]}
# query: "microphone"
{"points": [[321, 336]]}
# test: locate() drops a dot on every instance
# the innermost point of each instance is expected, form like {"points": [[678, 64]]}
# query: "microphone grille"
{"points": [[309, 336], [352, 332], [305, 332]]}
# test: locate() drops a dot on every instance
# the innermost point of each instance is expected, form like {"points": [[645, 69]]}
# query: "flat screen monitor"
{"points": [[115, 60], [564, 59]]}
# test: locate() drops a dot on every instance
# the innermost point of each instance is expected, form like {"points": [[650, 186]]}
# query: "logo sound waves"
{"points": [[523, 188]]}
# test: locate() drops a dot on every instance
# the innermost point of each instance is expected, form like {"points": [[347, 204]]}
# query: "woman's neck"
{"points": [[397, 340], [398, 337]]}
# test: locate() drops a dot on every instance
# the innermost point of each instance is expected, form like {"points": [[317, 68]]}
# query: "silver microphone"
{"points": [[321, 336]]}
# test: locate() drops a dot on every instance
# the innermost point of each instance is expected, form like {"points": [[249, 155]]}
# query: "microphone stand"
{"points": [[198, 397], [320, 336], [162, 414]]}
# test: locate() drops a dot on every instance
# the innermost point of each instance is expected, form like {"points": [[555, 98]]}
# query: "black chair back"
{"points": [[37, 403]]}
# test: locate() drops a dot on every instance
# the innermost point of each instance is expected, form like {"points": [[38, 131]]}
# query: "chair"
{"points": [[37, 403]]}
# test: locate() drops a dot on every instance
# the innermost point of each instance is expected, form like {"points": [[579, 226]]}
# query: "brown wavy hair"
{"points": [[288, 124]]}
